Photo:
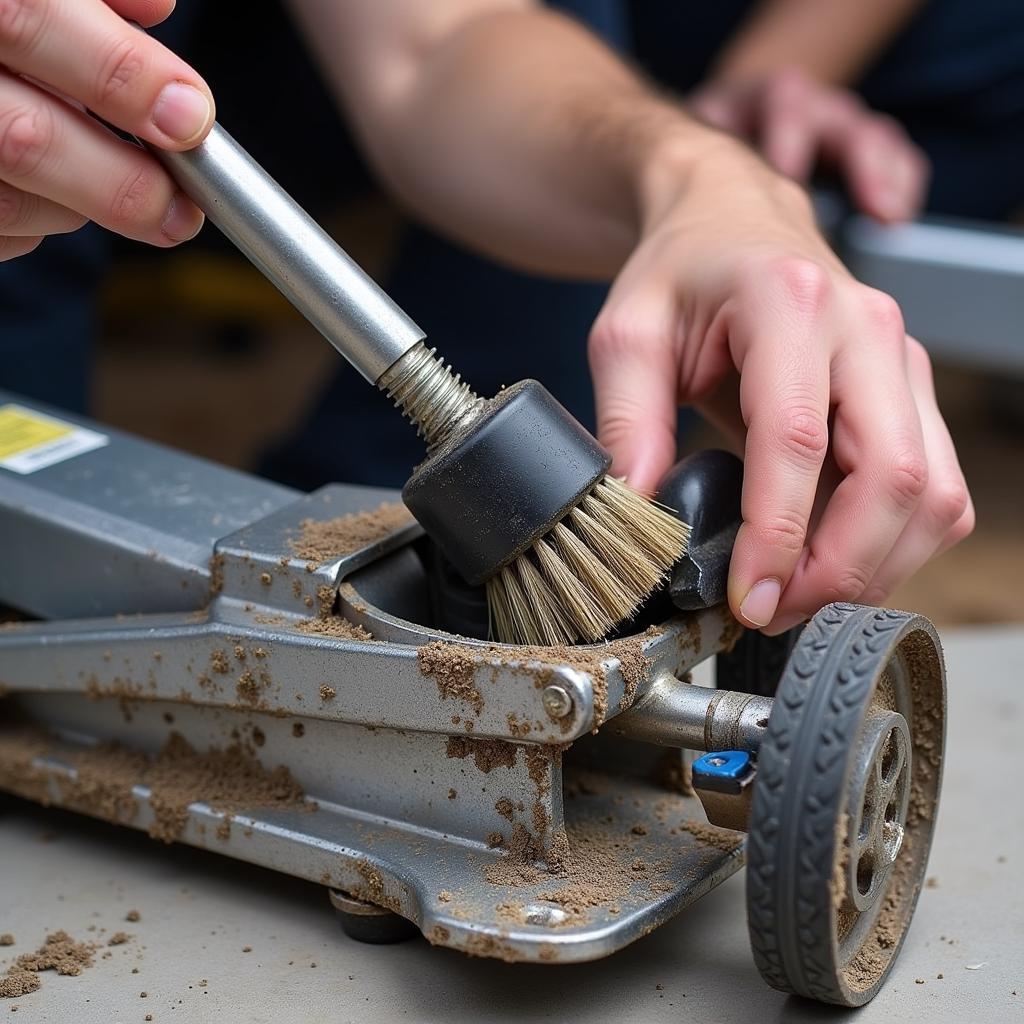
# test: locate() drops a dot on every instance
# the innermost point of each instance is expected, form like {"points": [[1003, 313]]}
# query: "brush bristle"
{"points": [[590, 572]]}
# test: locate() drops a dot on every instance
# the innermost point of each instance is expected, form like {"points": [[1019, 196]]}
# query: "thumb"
{"points": [[633, 366]]}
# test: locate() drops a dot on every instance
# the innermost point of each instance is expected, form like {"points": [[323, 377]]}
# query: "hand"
{"points": [[796, 122], [59, 167], [732, 301]]}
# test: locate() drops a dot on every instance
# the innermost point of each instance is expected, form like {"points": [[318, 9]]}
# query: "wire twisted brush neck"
{"points": [[434, 398]]}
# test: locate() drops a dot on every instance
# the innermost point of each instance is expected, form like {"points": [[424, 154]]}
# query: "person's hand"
{"points": [[732, 301], [797, 122], [58, 167]]}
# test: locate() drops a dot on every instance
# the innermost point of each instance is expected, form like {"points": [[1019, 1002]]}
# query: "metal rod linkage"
{"points": [[678, 714]]}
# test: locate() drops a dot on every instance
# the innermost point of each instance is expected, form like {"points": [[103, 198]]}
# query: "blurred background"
{"points": [[194, 349]]}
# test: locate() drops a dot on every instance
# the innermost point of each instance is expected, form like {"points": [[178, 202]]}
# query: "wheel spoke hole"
{"points": [[865, 873], [889, 756]]}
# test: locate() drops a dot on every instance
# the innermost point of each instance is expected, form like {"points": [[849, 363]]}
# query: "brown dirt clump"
{"points": [[503, 806], [119, 939], [599, 870], [633, 664], [327, 692], [486, 754], [837, 882], [18, 982], [596, 865], [538, 765], [518, 866], [334, 626], [59, 952], [133, 915], [18, 774], [229, 781], [372, 888], [452, 667], [7, 939], [103, 781], [325, 540], [711, 835], [247, 688]]}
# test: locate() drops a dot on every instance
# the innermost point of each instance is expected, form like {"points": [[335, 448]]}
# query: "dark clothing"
{"points": [[954, 78]]}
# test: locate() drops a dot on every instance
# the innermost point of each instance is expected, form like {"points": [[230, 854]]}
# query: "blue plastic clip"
{"points": [[724, 771]]}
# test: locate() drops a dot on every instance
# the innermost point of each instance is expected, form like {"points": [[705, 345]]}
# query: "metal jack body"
{"points": [[146, 567]]}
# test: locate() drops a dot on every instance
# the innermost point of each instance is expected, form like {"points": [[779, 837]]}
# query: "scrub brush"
{"points": [[513, 490]]}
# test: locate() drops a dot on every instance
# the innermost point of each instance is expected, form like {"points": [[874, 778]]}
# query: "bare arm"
{"points": [[502, 123], [830, 40]]}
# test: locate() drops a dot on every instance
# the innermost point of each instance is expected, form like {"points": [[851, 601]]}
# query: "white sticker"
{"points": [[30, 440]]}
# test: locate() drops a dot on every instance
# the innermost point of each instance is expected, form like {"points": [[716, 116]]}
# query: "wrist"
{"points": [[709, 170], [667, 168]]}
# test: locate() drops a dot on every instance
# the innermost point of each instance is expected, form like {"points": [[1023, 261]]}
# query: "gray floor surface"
{"points": [[199, 910]]}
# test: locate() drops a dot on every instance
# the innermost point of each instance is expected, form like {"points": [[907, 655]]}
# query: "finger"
{"points": [[145, 12], [960, 530], [53, 151], [12, 247], [88, 52], [886, 173], [788, 131], [944, 515], [635, 384], [784, 397], [24, 215], [878, 446], [909, 175]]}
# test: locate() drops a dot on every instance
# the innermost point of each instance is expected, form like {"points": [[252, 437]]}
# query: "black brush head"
{"points": [[494, 488]]}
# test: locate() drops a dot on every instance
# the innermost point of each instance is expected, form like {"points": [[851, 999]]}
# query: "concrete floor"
{"points": [[199, 910]]}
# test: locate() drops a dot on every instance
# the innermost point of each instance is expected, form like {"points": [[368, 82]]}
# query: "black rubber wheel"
{"points": [[844, 802]]}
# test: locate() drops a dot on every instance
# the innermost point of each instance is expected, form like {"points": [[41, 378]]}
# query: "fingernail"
{"points": [[758, 607], [183, 219], [181, 111]]}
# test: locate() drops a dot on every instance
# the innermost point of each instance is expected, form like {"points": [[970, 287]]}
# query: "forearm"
{"points": [[832, 40], [514, 130]]}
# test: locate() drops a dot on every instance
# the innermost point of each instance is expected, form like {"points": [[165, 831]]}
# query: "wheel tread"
{"points": [[800, 959]]}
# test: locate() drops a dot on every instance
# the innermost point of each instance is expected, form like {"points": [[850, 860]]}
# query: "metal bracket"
{"points": [[722, 779]]}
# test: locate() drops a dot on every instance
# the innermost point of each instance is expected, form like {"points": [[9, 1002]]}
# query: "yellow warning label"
{"points": [[21, 430], [30, 440]]}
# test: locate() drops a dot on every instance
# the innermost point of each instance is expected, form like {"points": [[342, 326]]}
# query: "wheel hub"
{"points": [[877, 809]]}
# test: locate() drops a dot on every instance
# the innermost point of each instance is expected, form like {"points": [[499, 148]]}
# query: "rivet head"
{"points": [[557, 701]]}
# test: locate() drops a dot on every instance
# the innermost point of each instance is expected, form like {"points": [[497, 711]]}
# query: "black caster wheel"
{"points": [[366, 922], [844, 802]]}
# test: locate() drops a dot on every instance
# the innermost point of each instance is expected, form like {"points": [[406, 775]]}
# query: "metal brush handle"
{"points": [[312, 271]]}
